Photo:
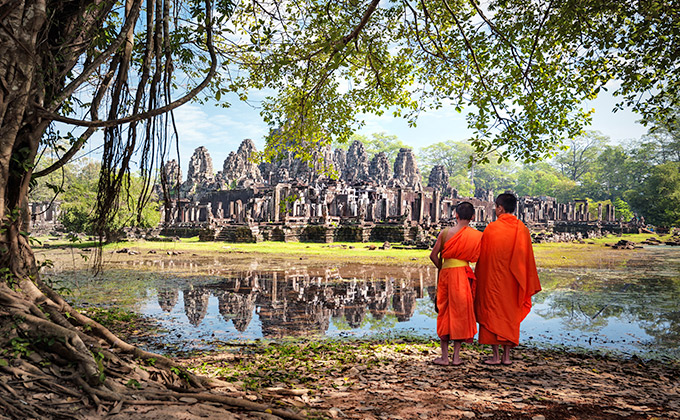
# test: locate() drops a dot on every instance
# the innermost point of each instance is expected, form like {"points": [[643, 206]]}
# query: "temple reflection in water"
{"points": [[297, 302]]}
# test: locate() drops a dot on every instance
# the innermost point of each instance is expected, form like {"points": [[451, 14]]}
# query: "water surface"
{"points": [[199, 301]]}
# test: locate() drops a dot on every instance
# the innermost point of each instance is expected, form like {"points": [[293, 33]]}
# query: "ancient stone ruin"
{"points": [[439, 180], [342, 196], [240, 169], [379, 169], [45, 217], [200, 176], [406, 173]]}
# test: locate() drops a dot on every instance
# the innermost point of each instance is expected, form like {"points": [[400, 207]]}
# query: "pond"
{"points": [[199, 302]]}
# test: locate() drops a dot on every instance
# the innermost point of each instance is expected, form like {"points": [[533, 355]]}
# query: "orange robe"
{"points": [[456, 318], [506, 280]]}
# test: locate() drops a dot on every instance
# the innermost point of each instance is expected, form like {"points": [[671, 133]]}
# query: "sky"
{"points": [[221, 130]]}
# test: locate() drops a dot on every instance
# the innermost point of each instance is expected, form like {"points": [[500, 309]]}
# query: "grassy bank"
{"points": [[591, 254]]}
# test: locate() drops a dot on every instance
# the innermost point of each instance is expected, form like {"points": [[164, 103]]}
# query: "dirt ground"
{"points": [[395, 380], [375, 380], [398, 381]]}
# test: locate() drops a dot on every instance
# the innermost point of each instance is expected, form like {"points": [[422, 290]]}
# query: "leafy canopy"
{"points": [[521, 67]]}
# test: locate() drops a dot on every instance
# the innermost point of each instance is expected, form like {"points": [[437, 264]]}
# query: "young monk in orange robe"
{"points": [[454, 250], [506, 280]]}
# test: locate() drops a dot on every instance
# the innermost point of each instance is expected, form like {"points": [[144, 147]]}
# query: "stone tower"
{"points": [[406, 172], [356, 163]]}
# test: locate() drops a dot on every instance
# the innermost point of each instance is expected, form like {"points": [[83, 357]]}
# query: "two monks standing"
{"points": [[506, 279]]}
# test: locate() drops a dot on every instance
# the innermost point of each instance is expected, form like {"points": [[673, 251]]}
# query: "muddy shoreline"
{"points": [[395, 379]]}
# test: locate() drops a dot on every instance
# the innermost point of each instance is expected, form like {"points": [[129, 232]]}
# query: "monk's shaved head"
{"points": [[507, 201], [465, 210]]}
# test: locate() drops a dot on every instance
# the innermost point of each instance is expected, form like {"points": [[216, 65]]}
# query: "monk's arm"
{"points": [[436, 250]]}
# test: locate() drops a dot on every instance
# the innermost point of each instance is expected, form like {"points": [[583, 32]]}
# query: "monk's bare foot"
{"points": [[455, 362], [441, 362], [507, 362], [492, 362]]}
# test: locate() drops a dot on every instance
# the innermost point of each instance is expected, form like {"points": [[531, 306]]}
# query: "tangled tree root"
{"points": [[58, 364]]}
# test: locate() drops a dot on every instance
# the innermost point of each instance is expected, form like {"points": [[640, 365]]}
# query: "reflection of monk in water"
{"points": [[452, 253], [507, 279]]}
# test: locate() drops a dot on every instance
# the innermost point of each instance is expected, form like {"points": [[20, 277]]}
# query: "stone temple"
{"points": [[341, 196]]}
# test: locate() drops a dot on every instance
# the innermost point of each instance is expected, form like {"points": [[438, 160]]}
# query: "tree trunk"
{"points": [[94, 359], [18, 144]]}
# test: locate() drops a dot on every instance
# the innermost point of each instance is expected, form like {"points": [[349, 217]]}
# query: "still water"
{"points": [[199, 301]]}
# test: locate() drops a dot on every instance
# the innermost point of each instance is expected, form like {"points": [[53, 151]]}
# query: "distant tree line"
{"points": [[74, 186], [640, 177]]}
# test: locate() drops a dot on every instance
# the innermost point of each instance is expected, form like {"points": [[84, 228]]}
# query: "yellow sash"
{"points": [[452, 262]]}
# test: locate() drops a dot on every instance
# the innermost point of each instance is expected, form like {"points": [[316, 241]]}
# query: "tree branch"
{"points": [[155, 112], [130, 21], [338, 45], [68, 155], [103, 87], [364, 21], [470, 48], [536, 38], [493, 27]]}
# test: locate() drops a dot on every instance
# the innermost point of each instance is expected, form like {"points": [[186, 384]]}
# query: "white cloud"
{"points": [[432, 126], [220, 130]]}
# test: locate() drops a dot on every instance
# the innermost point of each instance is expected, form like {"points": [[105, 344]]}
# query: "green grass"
{"points": [[357, 252], [591, 254], [303, 362], [633, 237]]}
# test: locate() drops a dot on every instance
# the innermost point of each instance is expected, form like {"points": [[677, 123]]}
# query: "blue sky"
{"points": [[221, 130]]}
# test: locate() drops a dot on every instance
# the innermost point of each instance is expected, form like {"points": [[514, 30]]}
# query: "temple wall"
{"points": [[362, 212], [291, 201]]}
